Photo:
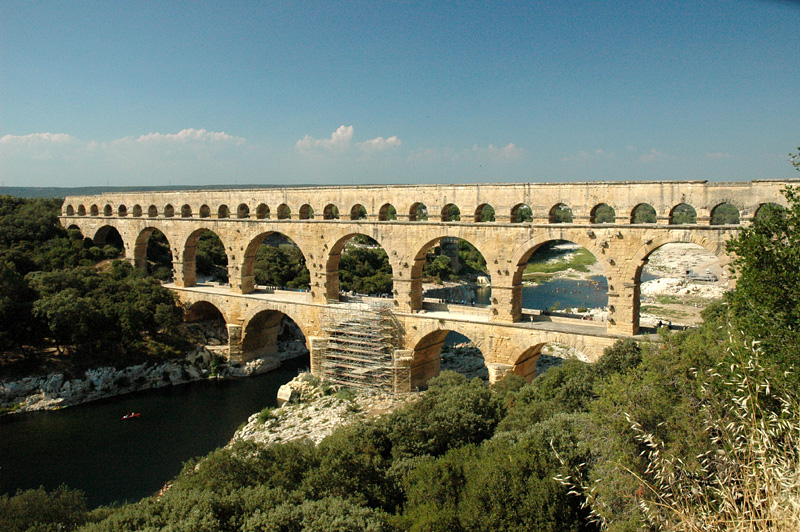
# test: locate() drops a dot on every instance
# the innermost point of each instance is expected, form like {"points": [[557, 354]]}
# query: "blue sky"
{"points": [[160, 93]]}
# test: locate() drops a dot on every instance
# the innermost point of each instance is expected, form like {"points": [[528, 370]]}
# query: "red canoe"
{"points": [[131, 415]]}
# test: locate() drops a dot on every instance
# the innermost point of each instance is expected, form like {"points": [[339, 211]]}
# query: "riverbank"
{"points": [[54, 391], [317, 410]]}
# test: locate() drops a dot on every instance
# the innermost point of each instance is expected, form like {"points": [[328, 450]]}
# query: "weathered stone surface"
{"points": [[621, 248]]}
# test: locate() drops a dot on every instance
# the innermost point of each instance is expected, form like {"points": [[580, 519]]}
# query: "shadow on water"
{"points": [[89, 447]]}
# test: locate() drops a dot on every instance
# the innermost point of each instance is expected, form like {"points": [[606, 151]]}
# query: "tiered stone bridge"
{"points": [[507, 338]]}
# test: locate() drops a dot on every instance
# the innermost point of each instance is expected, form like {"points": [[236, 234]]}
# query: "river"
{"points": [[90, 447]]}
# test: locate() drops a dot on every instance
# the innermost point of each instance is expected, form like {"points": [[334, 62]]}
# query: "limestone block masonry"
{"points": [[320, 220]]}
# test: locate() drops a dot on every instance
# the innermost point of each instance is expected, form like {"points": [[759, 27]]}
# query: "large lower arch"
{"points": [[374, 276], [266, 329], [426, 358]]}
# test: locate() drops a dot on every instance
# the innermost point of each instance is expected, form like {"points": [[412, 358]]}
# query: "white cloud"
{"points": [[584, 156], [509, 152], [342, 140], [379, 144], [652, 156], [184, 136], [719, 155], [36, 139]]}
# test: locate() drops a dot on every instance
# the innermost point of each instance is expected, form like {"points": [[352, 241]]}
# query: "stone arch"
{"points": [[523, 360], [261, 329], [331, 212], [644, 213], [81, 210], [262, 211], [763, 207], [152, 211], [223, 211], [426, 348], [108, 235], [332, 283], [306, 212], [93, 210], [186, 211], [248, 280], [137, 211], [143, 245], [603, 213], [418, 212], [484, 213], [243, 211], [682, 213], [122, 210], [108, 210], [636, 264], [521, 213], [725, 213], [189, 255], [70, 210], [169, 210], [560, 213], [451, 213], [638, 260], [521, 256], [420, 252], [520, 259], [205, 211], [284, 212], [387, 212], [358, 212], [203, 310]]}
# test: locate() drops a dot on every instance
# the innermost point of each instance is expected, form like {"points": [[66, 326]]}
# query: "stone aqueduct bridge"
{"points": [[242, 218]]}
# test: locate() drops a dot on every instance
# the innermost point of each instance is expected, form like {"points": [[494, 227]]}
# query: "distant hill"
{"points": [[62, 192]]}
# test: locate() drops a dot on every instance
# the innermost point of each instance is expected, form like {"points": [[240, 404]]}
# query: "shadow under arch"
{"points": [[521, 213], [436, 350], [330, 212], [374, 277], [206, 324], [267, 332], [537, 358], [218, 257], [203, 310], [152, 253], [285, 259], [387, 212], [108, 235]]}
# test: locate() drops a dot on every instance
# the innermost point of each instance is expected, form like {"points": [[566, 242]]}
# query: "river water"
{"points": [[90, 447]]}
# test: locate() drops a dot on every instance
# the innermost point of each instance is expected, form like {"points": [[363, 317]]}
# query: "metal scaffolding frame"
{"points": [[361, 347]]}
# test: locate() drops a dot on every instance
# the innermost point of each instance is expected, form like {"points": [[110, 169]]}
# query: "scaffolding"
{"points": [[361, 347]]}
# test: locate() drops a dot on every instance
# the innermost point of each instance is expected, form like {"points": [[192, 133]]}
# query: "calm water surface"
{"points": [[89, 446]]}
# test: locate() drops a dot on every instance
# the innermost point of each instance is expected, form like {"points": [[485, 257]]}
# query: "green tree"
{"points": [[766, 302]]}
